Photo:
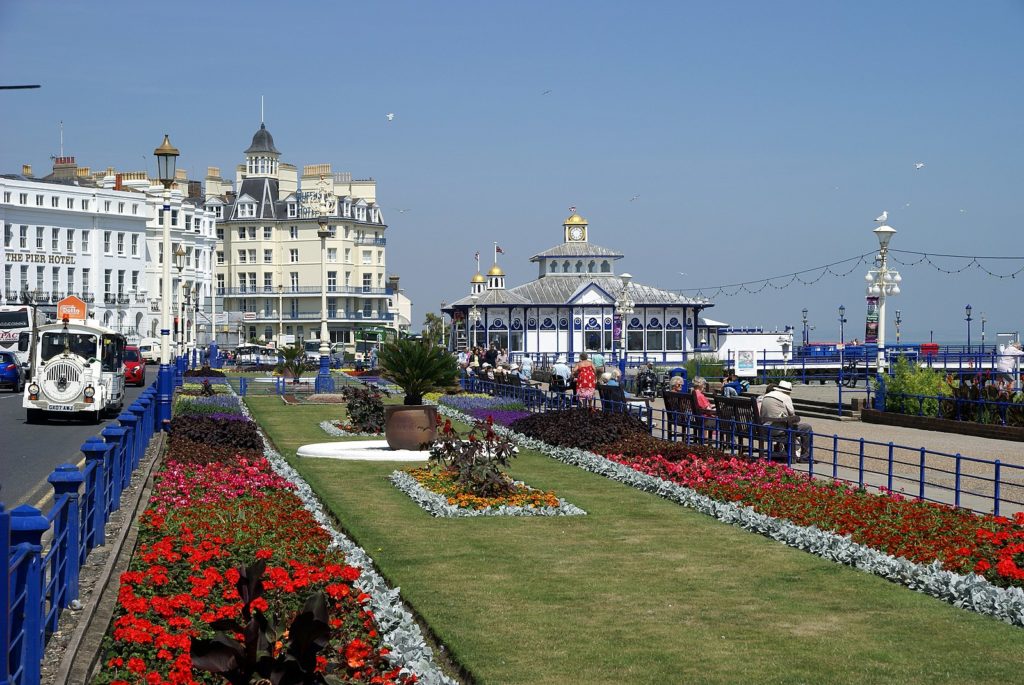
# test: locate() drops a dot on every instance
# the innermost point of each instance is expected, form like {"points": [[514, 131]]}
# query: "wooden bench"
{"points": [[681, 412], [613, 399], [740, 425]]}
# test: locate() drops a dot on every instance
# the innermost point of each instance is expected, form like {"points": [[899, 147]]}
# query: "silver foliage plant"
{"points": [[971, 592], [329, 428], [437, 505], [395, 624]]}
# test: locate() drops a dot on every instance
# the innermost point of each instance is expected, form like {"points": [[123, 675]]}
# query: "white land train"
{"points": [[79, 370]]}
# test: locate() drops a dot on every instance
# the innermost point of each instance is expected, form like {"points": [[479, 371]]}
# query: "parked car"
{"points": [[12, 374], [134, 366]]}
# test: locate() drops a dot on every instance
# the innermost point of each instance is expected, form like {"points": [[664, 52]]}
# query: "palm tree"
{"points": [[294, 361], [433, 328], [418, 367]]}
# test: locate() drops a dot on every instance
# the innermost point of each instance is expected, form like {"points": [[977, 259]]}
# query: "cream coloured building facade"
{"points": [[269, 258]]}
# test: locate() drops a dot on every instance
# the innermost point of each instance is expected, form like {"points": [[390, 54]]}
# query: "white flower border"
{"points": [[972, 592], [437, 505], [395, 624], [329, 428]]}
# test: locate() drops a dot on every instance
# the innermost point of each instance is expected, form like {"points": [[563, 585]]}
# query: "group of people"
{"points": [[491, 363]]}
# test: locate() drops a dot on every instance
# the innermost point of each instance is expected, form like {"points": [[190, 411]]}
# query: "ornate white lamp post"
{"points": [[166, 160], [983, 331], [474, 317], [624, 306], [883, 282], [804, 313], [179, 264], [280, 316]]}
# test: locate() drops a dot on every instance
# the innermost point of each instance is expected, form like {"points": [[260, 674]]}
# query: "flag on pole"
{"points": [[478, 255], [497, 248]]}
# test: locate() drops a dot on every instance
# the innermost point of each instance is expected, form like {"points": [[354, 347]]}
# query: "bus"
{"points": [[369, 338], [16, 331], [79, 371]]}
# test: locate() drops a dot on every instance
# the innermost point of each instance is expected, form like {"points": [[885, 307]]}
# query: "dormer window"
{"points": [[247, 210], [293, 210], [348, 208]]}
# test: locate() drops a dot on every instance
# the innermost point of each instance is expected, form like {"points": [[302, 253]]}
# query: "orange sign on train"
{"points": [[70, 307]]}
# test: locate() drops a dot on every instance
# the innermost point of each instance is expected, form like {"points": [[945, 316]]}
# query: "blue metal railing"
{"points": [[984, 411], [40, 584], [980, 485]]}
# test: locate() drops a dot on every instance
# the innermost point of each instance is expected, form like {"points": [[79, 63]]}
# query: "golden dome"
{"points": [[495, 271], [575, 220], [479, 278]]}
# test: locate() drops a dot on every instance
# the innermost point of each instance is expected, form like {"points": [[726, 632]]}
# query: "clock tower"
{"points": [[575, 228]]}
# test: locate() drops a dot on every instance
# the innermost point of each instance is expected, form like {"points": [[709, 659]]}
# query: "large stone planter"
{"points": [[409, 427]]}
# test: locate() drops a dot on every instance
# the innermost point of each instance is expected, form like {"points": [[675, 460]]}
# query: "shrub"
{"points": [[191, 452], [365, 409], [417, 367], [204, 372], [646, 445], [910, 379], [477, 461], [224, 430], [580, 428]]}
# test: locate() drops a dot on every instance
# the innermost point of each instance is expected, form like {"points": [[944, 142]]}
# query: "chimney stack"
{"points": [[65, 167]]}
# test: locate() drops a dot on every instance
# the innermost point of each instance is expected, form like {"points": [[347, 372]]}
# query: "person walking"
{"points": [[586, 379]]}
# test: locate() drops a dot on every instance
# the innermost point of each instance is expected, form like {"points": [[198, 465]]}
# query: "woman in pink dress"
{"points": [[586, 379]]}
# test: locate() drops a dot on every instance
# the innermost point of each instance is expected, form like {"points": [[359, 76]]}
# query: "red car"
{"points": [[134, 366]]}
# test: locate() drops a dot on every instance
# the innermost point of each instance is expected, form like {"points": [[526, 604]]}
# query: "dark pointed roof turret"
{"points": [[262, 142]]}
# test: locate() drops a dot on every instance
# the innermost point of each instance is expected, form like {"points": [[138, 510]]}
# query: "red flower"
{"points": [[356, 652], [136, 665]]}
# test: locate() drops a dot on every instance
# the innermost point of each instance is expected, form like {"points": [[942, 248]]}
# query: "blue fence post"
{"points": [[996, 495], [243, 385], [27, 528], [860, 465], [66, 479], [889, 484], [920, 487], [115, 437], [141, 432], [98, 452], [956, 491], [130, 422], [5, 597]]}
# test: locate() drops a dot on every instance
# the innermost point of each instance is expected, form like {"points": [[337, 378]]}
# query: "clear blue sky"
{"points": [[762, 138]]}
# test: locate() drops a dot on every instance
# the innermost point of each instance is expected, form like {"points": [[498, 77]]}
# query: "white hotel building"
{"points": [[99, 237], [269, 258]]}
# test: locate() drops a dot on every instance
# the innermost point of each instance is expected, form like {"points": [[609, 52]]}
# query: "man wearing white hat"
{"points": [[777, 405]]}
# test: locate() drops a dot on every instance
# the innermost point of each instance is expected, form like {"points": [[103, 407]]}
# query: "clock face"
{"points": [[575, 233]]}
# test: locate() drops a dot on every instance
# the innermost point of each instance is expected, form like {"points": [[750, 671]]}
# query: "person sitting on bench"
{"points": [[777, 404]]}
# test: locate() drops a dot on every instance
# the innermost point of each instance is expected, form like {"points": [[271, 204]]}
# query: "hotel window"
{"points": [[55, 281], [220, 284], [293, 232], [268, 256], [332, 281], [24, 277], [348, 255], [252, 233], [8, 235], [268, 232], [55, 201], [252, 282], [246, 210], [218, 211], [380, 256], [106, 242], [135, 246], [241, 286], [106, 206], [23, 237], [135, 281], [241, 256], [135, 208], [332, 308], [85, 241], [39, 200], [332, 254], [85, 205], [120, 243], [293, 255], [188, 257], [293, 210], [294, 276], [85, 281], [7, 278], [367, 282], [252, 256], [70, 242], [241, 232], [220, 256], [55, 239], [39, 237], [23, 198], [346, 232], [348, 279], [380, 280], [7, 196], [106, 280], [70, 203], [367, 256], [268, 283], [120, 281], [71, 280], [220, 234], [39, 277], [174, 217], [120, 208], [188, 222]]}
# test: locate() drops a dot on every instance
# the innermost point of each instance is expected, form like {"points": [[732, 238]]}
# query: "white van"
{"points": [[149, 348]]}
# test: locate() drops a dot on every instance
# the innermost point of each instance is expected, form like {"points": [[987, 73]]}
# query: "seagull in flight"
{"points": [[919, 165], [881, 218], [546, 92], [635, 197], [390, 116]]}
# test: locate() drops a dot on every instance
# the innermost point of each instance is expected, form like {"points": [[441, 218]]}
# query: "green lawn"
{"points": [[640, 590]]}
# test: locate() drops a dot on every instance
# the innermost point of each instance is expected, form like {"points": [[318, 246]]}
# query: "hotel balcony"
{"points": [[339, 315], [379, 242], [271, 291]]}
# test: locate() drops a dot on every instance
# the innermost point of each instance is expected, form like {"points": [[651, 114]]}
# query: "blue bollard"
{"points": [[66, 479], [165, 382], [116, 437], [27, 528], [130, 422], [97, 452]]}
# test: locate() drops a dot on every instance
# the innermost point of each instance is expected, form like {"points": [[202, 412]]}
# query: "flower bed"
{"points": [[439, 494], [221, 512], [341, 430], [991, 545], [501, 410]]}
